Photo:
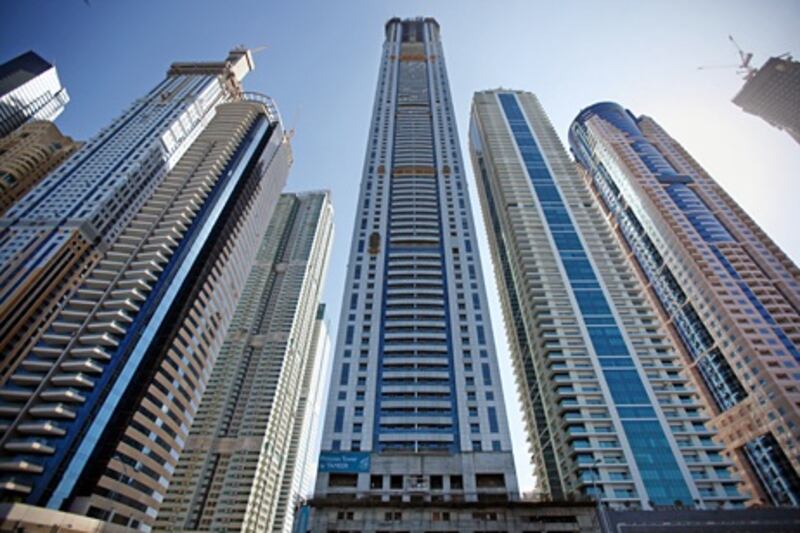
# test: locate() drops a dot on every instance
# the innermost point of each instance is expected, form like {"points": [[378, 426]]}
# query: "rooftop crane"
{"points": [[743, 69]]}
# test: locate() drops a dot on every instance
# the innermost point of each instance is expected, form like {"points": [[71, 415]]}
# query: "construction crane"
{"points": [[743, 69]]}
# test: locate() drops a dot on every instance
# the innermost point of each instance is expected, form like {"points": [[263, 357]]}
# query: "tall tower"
{"points": [[608, 412], [96, 413], [415, 409], [29, 90], [729, 293], [59, 229], [773, 93], [238, 467]]}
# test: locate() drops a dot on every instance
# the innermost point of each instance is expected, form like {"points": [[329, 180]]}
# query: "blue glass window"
{"points": [[338, 422], [592, 302], [481, 335], [626, 387], [493, 426], [607, 341], [657, 466]]}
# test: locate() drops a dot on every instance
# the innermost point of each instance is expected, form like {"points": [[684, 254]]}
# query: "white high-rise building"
{"points": [[415, 415], [29, 90]]}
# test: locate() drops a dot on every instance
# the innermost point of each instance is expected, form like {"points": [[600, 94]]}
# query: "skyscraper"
{"points": [[415, 409], [726, 289], [608, 412], [60, 228], [238, 468], [29, 90], [773, 93], [95, 415], [27, 155]]}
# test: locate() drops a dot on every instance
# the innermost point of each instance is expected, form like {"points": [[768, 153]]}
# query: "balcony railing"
{"points": [[268, 102]]}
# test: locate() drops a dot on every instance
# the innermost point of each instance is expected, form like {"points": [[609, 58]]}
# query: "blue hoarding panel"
{"points": [[344, 462]]}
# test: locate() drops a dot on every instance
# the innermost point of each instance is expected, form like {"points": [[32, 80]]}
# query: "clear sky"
{"points": [[321, 65]]}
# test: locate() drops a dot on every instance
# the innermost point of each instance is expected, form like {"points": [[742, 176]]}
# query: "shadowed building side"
{"points": [[27, 155], [773, 93]]}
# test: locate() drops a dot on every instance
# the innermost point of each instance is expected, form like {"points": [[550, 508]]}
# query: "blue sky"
{"points": [[321, 65]]}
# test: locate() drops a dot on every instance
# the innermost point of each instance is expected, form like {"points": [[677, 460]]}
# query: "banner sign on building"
{"points": [[344, 462]]}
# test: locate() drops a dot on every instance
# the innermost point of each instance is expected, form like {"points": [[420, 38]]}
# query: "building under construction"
{"points": [[773, 93]]}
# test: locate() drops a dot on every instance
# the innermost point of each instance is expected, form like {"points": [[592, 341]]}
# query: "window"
{"points": [[490, 480], [487, 374], [493, 425], [396, 482], [338, 422], [342, 480]]}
